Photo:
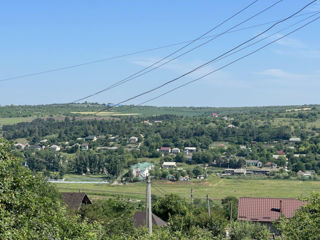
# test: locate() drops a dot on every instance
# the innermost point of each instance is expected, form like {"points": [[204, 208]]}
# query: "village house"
{"points": [[55, 148], [169, 165], [185, 178], [133, 139], [74, 200], [237, 171], [306, 173], [20, 146], [147, 122], [253, 163], [261, 171], [165, 150], [35, 147], [141, 170], [91, 138], [175, 150], [295, 139], [84, 146], [267, 210], [107, 148], [271, 165], [190, 149]]}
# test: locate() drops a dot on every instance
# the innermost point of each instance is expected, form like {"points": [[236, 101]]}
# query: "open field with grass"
{"points": [[217, 188], [10, 121]]}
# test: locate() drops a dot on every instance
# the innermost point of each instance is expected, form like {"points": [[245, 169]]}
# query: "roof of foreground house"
{"points": [[267, 209]]}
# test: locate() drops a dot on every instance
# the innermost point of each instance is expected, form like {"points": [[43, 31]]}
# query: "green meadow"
{"points": [[217, 188]]}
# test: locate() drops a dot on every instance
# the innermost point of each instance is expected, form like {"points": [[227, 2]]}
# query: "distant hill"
{"points": [[81, 109]]}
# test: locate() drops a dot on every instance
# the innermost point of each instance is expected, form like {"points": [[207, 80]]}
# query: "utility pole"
{"points": [[230, 212], [208, 205], [191, 195], [148, 206]]}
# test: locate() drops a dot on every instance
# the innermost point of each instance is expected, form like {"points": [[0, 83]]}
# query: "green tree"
{"points": [[243, 230], [197, 171], [30, 208], [305, 223], [229, 203], [170, 205]]}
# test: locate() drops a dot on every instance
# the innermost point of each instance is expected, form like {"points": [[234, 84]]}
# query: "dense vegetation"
{"points": [[256, 135], [30, 208]]}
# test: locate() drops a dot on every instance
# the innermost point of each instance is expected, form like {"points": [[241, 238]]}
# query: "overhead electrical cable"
{"points": [[230, 63], [155, 66], [100, 60], [214, 59]]}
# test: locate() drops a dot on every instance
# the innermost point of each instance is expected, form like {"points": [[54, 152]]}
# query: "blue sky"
{"points": [[41, 35]]}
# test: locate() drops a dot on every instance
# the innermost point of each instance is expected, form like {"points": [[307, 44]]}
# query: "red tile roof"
{"points": [[165, 148], [267, 209]]}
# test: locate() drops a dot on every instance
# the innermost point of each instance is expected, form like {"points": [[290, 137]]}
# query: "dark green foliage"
{"points": [[243, 230], [115, 215], [305, 224], [170, 205], [230, 207], [30, 208]]}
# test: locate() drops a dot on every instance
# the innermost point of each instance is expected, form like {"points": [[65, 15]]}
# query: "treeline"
{"points": [[200, 132], [10, 111]]}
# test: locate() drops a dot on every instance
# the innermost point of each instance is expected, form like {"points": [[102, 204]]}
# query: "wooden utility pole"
{"points": [[230, 212], [148, 206], [208, 205], [191, 195]]}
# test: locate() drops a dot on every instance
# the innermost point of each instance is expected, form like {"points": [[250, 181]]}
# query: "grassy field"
{"points": [[10, 121], [217, 188]]}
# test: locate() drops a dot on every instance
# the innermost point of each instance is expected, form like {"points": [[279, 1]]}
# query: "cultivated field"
{"points": [[217, 188]]}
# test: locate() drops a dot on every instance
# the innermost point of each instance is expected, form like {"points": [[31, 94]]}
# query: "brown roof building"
{"points": [[267, 209], [140, 219], [74, 200]]}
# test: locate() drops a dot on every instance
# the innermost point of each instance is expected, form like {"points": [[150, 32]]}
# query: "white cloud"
{"points": [[289, 42], [279, 73]]}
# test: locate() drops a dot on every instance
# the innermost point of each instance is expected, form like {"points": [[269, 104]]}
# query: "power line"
{"points": [[192, 49], [100, 60], [145, 70], [209, 62], [158, 189], [238, 59], [161, 189]]}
